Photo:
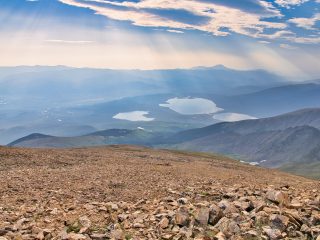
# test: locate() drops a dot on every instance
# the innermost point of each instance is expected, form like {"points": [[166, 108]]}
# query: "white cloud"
{"points": [[232, 117], [305, 40], [264, 42], [307, 23], [68, 41], [288, 3], [135, 116], [237, 21], [174, 31], [191, 106], [287, 46]]}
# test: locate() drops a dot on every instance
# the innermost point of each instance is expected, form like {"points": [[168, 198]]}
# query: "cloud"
{"points": [[135, 116], [207, 16], [306, 23], [287, 46], [174, 31], [232, 117], [288, 3], [68, 41], [191, 106], [264, 42]]}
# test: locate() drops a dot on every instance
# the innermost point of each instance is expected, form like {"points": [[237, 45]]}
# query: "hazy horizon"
{"points": [[280, 36]]}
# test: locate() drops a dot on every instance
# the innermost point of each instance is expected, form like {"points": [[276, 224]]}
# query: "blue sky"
{"points": [[282, 36]]}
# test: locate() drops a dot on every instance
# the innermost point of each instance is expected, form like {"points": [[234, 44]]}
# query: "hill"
{"points": [[286, 98], [61, 100], [107, 137], [286, 139], [124, 192], [276, 142]]}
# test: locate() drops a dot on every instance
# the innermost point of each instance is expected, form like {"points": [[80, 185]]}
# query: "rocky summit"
{"points": [[124, 192]]}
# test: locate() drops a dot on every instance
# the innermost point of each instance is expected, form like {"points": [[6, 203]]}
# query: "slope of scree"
{"points": [[125, 192]]}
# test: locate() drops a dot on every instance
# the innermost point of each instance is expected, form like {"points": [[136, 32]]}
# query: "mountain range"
{"points": [[68, 102], [282, 142]]}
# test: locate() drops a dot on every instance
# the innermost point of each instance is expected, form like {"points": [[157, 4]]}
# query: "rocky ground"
{"points": [[137, 193]]}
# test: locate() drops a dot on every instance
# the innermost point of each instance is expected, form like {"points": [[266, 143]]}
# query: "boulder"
{"points": [[182, 217]]}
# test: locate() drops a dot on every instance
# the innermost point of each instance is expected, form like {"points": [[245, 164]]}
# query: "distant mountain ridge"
{"points": [[107, 137], [304, 117], [286, 98], [277, 142], [51, 100]]}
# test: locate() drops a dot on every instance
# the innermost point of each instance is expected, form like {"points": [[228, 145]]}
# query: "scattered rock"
{"points": [[279, 222], [278, 197], [228, 227], [273, 234], [164, 223], [199, 207], [182, 217], [215, 214], [202, 216]]}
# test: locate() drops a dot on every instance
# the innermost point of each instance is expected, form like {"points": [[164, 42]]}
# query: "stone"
{"points": [[122, 217], [215, 214], [19, 224], [98, 236], [167, 236], [164, 223], [117, 234], [76, 236], [3, 232], [278, 197], [85, 224], [40, 236], [54, 211], [113, 206], [273, 234], [251, 234], [279, 222], [183, 201], [138, 225], [224, 204], [202, 216], [182, 217], [228, 227], [296, 204], [85, 221], [220, 236]]}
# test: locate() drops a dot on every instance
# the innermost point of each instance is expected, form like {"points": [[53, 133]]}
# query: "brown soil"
{"points": [[70, 179]]}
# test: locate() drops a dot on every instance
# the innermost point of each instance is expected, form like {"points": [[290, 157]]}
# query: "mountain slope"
{"points": [[304, 117], [126, 192], [107, 137], [273, 142], [269, 148], [286, 98], [42, 98]]}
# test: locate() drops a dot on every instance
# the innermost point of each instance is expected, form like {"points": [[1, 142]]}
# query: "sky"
{"points": [[281, 36]]}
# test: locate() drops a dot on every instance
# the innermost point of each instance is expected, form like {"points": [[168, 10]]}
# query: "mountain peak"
{"points": [[216, 67]]}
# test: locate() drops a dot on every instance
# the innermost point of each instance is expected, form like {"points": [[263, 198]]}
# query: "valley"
{"points": [[282, 141]]}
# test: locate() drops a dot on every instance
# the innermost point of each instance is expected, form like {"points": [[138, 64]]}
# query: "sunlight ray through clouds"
{"points": [[170, 34]]}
